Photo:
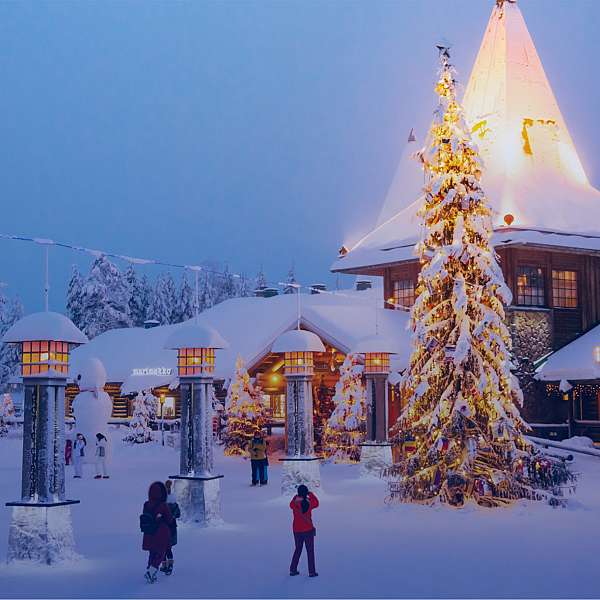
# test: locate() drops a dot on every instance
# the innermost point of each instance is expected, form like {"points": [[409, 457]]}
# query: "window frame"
{"points": [[557, 297], [540, 269]]}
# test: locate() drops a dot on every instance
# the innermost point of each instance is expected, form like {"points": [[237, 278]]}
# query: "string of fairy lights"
{"points": [[194, 268]]}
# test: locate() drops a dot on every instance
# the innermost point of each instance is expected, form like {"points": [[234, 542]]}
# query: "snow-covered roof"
{"points": [[576, 361], [377, 343], [298, 340], [195, 335], [532, 169], [137, 357], [47, 325]]}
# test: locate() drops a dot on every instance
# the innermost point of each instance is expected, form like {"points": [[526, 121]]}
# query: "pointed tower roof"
{"points": [[532, 170]]}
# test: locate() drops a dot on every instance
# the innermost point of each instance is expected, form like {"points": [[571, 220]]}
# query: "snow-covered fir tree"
{"points": [[208, 293], [164, 301], [461, 397], [140, 293], [245, 411], [7, 410], [291, 283], [227, 286], [244, 288], [139, 428], [186, 301], [346, 428], [105, 299], [260, 282], [75, 307], [152, 405], [10, 312]]}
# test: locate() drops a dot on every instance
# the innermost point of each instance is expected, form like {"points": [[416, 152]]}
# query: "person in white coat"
{"points": [[78, 453], [101, 447]]}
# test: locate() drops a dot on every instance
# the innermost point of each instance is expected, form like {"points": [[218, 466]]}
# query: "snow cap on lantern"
{"points": [[377, 350], [46, 339], [298, 347], [196, 345]]}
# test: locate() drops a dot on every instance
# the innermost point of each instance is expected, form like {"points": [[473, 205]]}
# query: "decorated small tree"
{"points": [[139, 429], [461, 397], [346, 428], [245, 411], [7, 410]]}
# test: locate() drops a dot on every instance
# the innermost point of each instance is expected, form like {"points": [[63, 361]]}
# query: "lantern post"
{"points": [[376, 451], [197, 487], [41, 529], [300, 465]]}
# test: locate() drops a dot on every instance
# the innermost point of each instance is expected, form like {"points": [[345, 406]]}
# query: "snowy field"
{"points": [[363, 548]]}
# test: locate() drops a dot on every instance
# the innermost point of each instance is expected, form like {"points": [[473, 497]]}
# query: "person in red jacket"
{"points": [[304, 531], [158, 543]]}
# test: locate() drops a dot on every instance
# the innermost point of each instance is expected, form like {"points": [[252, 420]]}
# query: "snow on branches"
{"points": [[346, 428], [460, 395], [244, 410], [139, 426]]}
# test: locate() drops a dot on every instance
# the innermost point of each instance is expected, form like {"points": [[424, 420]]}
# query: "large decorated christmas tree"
{"points": [[245, 411], [346, 428], [139, 426], [461, 397]]}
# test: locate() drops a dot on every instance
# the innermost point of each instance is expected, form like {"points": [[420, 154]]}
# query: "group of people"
{"points": [[158, 521], [76, 451]]}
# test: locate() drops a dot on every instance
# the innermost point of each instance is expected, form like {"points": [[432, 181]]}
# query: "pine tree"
{"points": [[260, 282], [152, 404], [207, 292], [10, 313], [461, 397], [139, 296], [139, 429], [244, 289], [164, 301], [186, 301], [245, 411], [291, 283], [346, 428], [75, 308], [105, 299], [227, 287]]}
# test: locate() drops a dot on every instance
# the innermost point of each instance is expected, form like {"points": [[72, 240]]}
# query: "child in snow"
{"points": [[304, 531], [78, 453], [258, 458], [155, 523], [167, 565], [101, 470]]}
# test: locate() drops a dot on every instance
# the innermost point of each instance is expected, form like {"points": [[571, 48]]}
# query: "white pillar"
{"points": [[40, 528], [197, 487], [300, 466]]}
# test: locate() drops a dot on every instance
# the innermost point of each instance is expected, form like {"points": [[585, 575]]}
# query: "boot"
{"points": [[163, 566], [151, 574], [170, 563]]}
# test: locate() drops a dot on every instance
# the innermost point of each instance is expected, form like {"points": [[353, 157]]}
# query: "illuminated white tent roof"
{"points": [[532, 170]]}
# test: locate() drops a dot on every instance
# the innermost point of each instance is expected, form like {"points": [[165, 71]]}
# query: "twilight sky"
{"points": [[252, 132]]}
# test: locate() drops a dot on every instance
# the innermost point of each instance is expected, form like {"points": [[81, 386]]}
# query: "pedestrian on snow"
{"points": [[168, 563], [155, 523], [304, 531], [101, 446], [78, 454], [258, 458]]}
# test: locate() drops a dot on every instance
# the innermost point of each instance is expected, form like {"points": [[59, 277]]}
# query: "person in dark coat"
{"points": [[158, 543], [302, 506], [257, 448], [168, 563]]}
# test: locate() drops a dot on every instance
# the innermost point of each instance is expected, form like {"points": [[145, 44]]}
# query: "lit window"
{"points": [[196, 361], [530, 286], [404, 293], [299, 363], [41, 357], [564, 289], [377, 362]]}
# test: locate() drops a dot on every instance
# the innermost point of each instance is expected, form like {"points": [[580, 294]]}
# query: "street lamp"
{"points": [[41, 528], [196, 486], [376, 452], [300, 464]]}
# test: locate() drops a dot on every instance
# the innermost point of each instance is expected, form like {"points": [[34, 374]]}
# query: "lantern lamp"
{"points": [[197, 487], [298, 348]]}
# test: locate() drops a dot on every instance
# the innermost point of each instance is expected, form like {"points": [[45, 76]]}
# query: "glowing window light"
{"points": [[299, 363], [195, 361], [39, 357]]}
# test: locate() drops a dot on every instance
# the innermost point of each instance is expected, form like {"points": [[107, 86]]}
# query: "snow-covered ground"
{"points": [[364, 548]]}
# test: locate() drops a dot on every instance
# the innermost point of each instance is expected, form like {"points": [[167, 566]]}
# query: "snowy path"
{"points": [[364, 549]]}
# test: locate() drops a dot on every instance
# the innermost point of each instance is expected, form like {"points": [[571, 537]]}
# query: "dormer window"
{"points": [[530, 286]]}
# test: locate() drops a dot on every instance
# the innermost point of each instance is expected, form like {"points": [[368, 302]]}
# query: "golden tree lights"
{"points": [[460, 394]]}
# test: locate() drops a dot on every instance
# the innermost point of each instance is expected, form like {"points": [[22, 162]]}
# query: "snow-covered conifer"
{"points": [[10, 312], [244, 409], [164, 301], [105, 299], [139, 429], [139, 296], [186, 301], [346, 428], [290, 288], [461, 397], [75, 308]]}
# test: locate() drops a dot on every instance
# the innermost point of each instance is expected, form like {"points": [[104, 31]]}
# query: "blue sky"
{"points": [[248, 132]]}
